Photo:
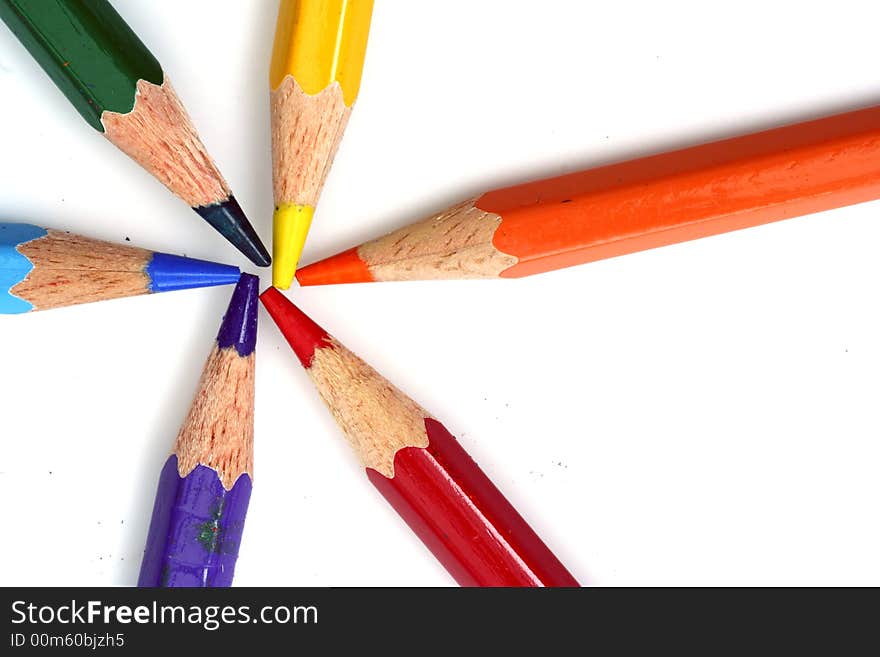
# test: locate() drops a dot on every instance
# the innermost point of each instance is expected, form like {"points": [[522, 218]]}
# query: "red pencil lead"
{"points": [[303, 334]]}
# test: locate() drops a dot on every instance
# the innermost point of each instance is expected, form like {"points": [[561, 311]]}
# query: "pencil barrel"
{"points": [[464, 520], [88, 51], [319, 42], [196, 529]]}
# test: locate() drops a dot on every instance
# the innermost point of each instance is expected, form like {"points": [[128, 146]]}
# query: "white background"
{"points": [[699, 414]]}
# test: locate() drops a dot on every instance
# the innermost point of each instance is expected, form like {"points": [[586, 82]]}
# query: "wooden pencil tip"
{"points": [[345, 267], [303, 334]]}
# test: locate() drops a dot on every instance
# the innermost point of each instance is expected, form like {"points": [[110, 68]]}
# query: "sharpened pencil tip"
{"points": [[170, 272], [300, 331], [345, 267], [229, 220], [290, 226], [239, 326]]}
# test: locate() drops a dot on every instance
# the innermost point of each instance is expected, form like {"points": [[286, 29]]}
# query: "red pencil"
{"points": [[419, 466]]}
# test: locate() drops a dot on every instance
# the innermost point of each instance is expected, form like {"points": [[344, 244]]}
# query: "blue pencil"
{"points": [[41, 268]]}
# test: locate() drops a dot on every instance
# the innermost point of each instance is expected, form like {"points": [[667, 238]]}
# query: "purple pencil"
{"points": [[205, 486]]}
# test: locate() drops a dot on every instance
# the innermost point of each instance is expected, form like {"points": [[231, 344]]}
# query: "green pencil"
{"points": [[119, 88]]}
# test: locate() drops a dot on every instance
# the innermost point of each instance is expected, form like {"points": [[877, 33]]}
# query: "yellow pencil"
{"points": [[314, 80]]}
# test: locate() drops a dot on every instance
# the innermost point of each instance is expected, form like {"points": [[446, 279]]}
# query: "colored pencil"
{"points": [[314, 80], [622, 208], [204, 489], [419, 467], [120, 89], [41, 268]]}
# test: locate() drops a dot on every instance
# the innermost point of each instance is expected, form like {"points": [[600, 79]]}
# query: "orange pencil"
{"points": [[627, 207]]}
